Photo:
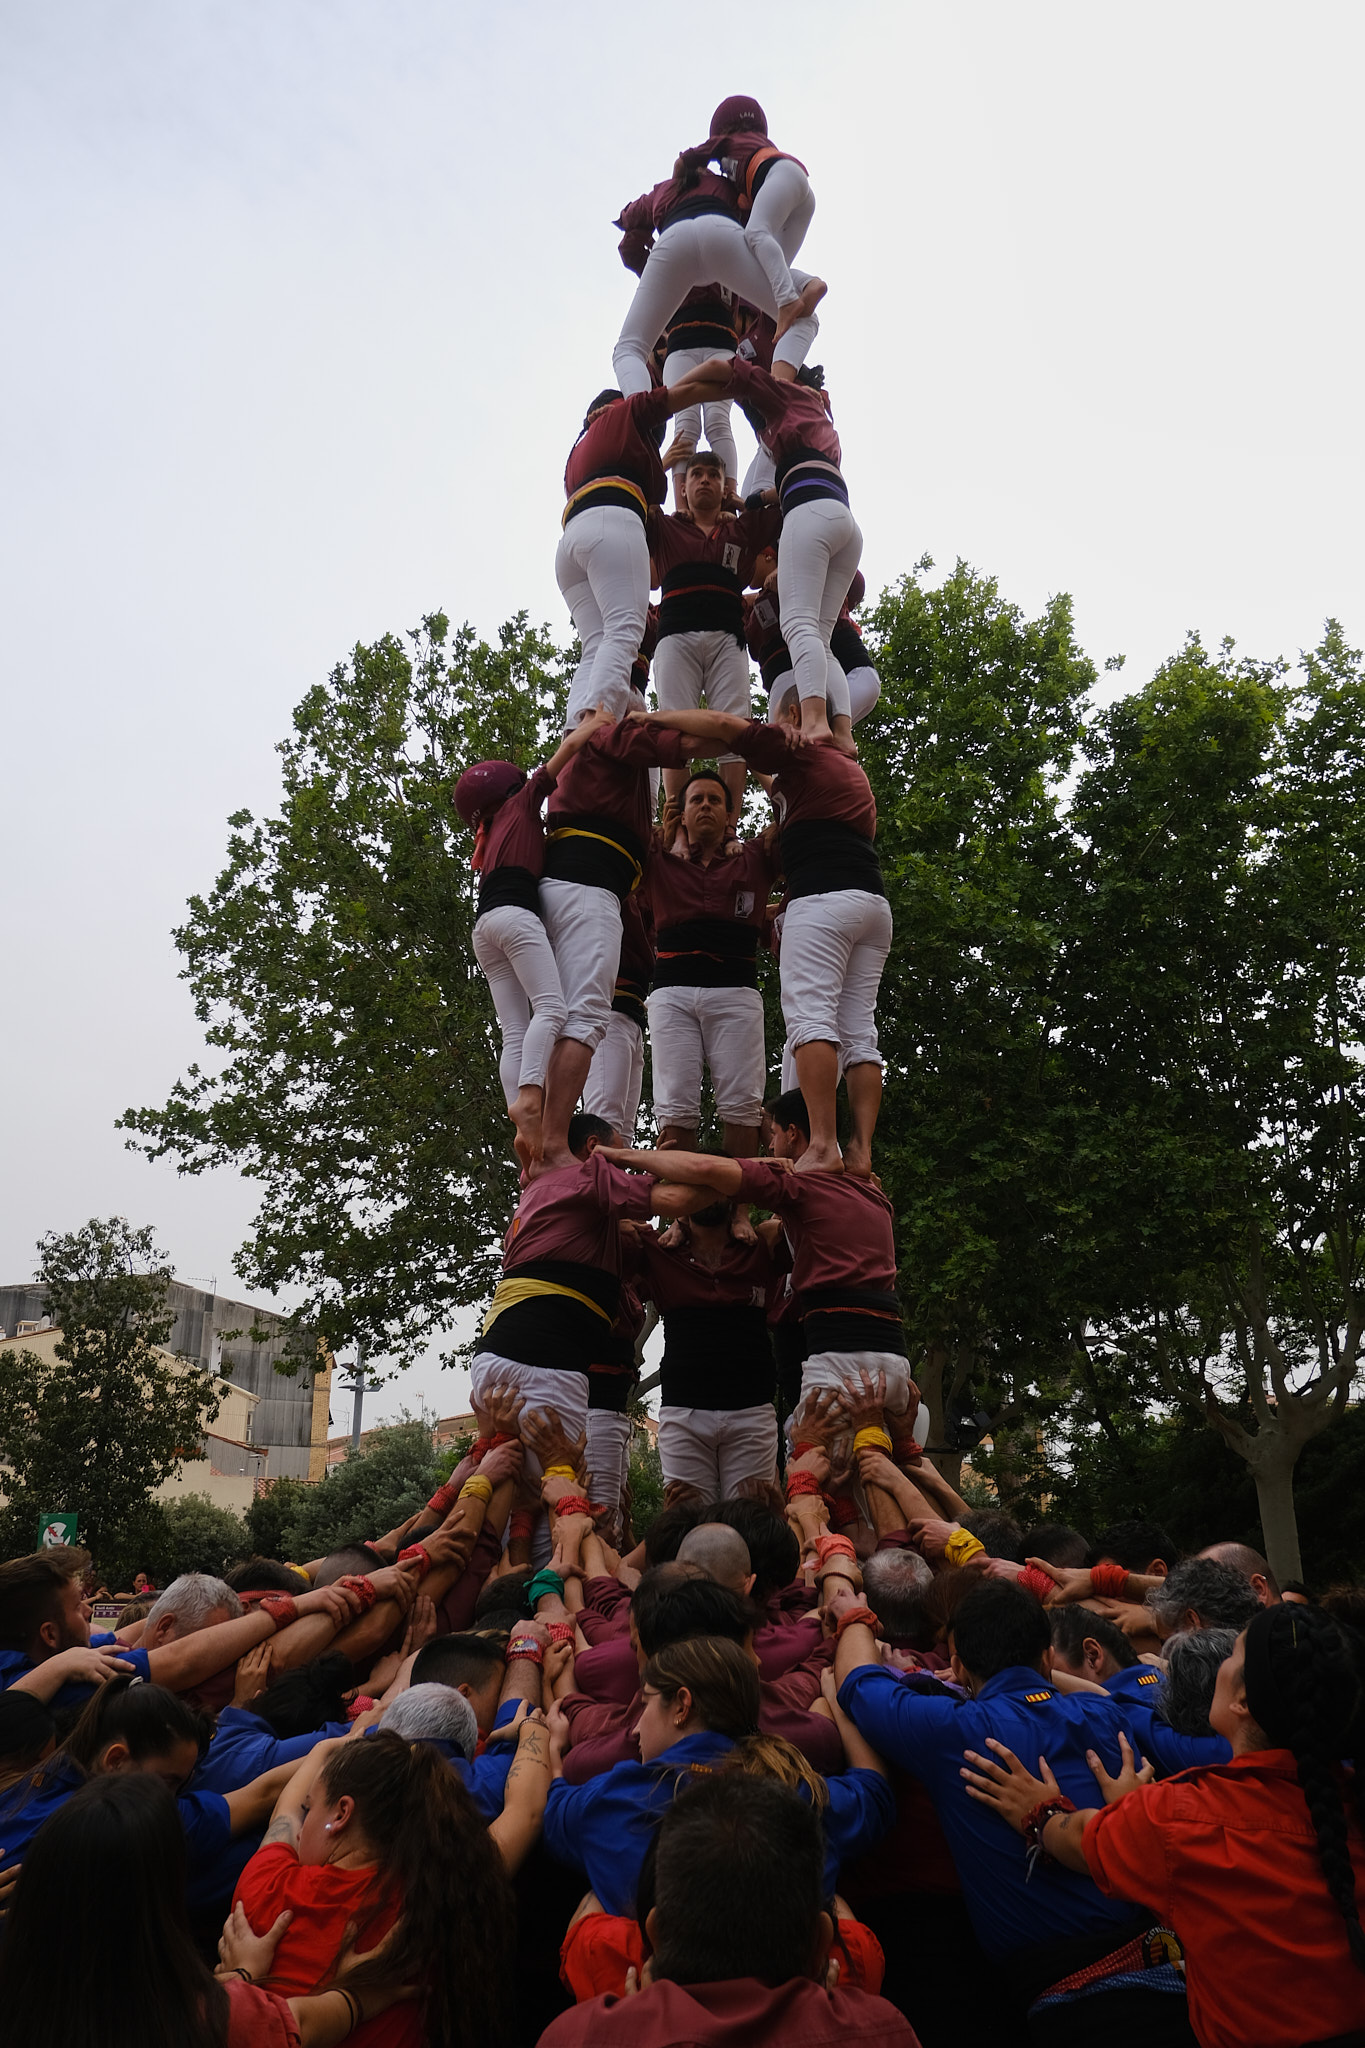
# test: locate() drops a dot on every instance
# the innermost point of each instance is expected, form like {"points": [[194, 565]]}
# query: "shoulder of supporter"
{"points": [[766, 747], [769, 1185]]}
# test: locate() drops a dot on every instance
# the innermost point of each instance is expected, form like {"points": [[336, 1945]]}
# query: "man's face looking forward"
{"points": [[705, 491], [705, 816]]}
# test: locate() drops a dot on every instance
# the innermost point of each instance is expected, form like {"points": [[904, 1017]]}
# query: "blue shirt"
{"points": [[926, 1735], [14, 1664], [1137, 1690], [604, 1827], [245, 1746], [24, 1807]]}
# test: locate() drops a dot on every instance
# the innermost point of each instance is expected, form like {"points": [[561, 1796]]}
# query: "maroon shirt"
{"points": [[702, 572], [742, 2012], [604, 1616], [794, 416], [623, 441], [814, 781], [708, 915], [604, 792], [839, 1226], [604, 1735], [515, 837], [608, 1672], [571, 1213]]}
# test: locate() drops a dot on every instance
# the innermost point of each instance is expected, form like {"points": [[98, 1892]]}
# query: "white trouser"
{"points": [[834, 948], [838, 702], [693, 252], [688, 666], [602, 568], [761, 475], [864, 688], [790, 1078], [584, 924], [608, 1456], [562, 1394], [617, 1075], [816, 562], [716, 1449], [723, 1027], [778, 219], [720, 435], [513, 948], [841, 1369]]}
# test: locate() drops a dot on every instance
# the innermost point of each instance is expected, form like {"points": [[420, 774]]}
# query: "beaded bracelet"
{"points": [[873, 1439], [1110, 1581], [421, 1553], [1037, 1819], [524, 1646]]}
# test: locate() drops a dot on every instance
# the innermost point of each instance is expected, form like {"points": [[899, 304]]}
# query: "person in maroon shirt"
{"points": [[560, 1291], [821, 540], [739, 1935], [695, 216], [616, 1076], [709, 911], [840, 1228], [597, 843], [612, 477], [717, 1424], [702, 563], [837, 925], [775, 196], [501, 805]]}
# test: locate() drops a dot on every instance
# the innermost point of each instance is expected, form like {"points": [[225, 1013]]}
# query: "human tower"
{"points": [[600, 917]]}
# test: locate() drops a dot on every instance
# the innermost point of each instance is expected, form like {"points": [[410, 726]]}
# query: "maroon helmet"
{"points": [[739, 115], [483, 787]]}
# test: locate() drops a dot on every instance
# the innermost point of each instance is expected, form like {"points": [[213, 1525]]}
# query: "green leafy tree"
{"points": [[203, 1537], [332, 967], [644, 1483], [270, 1517], [99, 1428], [392, 1475]]}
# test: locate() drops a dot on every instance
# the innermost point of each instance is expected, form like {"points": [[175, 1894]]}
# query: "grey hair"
{"points": [[192, 1598], [1221, 1597], [895, 1583], [1193, 1658], [436, 1712]]}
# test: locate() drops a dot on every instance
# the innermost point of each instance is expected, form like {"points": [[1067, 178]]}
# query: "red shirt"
{"points": [[813, 781], [1226, 1855], [572, 1212], [623, 441], [256, 2018], [839, 1225], [515, 836], [322, 1899], [794, 416], [743, 2012]]}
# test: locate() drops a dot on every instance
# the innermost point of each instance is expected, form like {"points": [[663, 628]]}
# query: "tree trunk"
{"points": [[931, 1377], [1279, 1524]]}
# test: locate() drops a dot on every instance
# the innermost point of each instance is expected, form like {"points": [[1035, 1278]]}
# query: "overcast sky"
{"points": [[303, 304]]}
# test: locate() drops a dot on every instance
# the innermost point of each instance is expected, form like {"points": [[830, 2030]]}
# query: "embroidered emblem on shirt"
{"points": [[1150, 1678], [1035, 1699]]}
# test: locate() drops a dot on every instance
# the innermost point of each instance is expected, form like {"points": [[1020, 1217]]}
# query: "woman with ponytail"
{"points": [[377, 1838], [1258, 1864]]}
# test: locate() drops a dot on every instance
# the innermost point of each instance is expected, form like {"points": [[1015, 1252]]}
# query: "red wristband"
{"points": [[361, 1704], [842, 1509], [561, 1631], [833, 1546], [799, 1450], [281, 1609], [354, 1582], [863, 1615], [523, 1647], [1036, 1582], [800, 1484], [521, 1525], [571, 1504], [1110, 1581], [444, 1499], [421, 1553], [480, 1448]]}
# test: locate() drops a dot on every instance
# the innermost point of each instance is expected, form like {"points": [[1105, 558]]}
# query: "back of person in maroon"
{"points": [[775, 194]]}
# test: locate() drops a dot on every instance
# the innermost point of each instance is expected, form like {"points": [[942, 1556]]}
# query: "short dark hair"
{"points": [[774, 1553], [148, 1718], [453, 1660], [998, 1626], [705, 458], [738, 1883], [790, 1108], [1071, 1626], [669, 1605], [1056, 1544], [582, 1126], [351, 1559], [302, 1700], [607, 397], [664, 1536], [706, 775], [264, 1575], [505, 1595], [31, 1589], [1135, 1544], [999, 1532]]}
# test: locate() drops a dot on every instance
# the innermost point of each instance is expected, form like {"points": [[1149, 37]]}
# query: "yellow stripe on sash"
{"points": [[579, 832], [602, 483], [509, 1292]]}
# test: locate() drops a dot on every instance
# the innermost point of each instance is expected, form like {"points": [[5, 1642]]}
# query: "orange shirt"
{"points": [[1226, 1855], [322, 1900]]}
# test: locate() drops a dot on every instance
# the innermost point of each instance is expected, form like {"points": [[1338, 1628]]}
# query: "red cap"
{"points": [[483, 787], [739, 115]]}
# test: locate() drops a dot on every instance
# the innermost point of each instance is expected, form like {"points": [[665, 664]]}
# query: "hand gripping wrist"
{"points": [[873, 1438], [861, 1617], [361, 1584], [831, 1550], [962, 1547], [1036, 1582], [523, 1646], [545, 1581], [421, 1553], [572, 1504], [281, 1609], [561, 1631], [1109, 1581], [800, 1484], [476, 1487], [559, 1472]]}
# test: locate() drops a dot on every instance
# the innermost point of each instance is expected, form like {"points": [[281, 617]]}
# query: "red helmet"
{"points": [[739, 115], [483, 787]]}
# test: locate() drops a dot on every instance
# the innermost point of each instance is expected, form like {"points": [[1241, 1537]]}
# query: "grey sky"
{"points": [[304, 303]]}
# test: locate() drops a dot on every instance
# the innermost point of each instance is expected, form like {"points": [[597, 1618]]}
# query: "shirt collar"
{"points": [[700, 1748], [1017, 1678]]}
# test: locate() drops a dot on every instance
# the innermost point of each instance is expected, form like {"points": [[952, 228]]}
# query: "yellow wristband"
{"points": [[962, 1547], [477, 1487], [872, 1439], [560, 1472]]}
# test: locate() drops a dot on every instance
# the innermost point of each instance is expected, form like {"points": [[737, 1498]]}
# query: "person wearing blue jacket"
{"points": [[700, 1717]]}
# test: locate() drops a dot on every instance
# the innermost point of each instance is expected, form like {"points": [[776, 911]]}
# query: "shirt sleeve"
{"points": [[565, 1809], [896, 1720], [536, 791], [757, 389], [862, 1808], [138, 1658], [1125, 1851], [1167, 1748], [648, 410], [765, 747], [622, 1194], [645, 745], [486, 1778], [770, 1186], [207, 1824]]}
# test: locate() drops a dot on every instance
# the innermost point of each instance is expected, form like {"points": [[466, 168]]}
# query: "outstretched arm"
{"points": [[691, 1169], [719, 727], [706, 381], [576, 740]]}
